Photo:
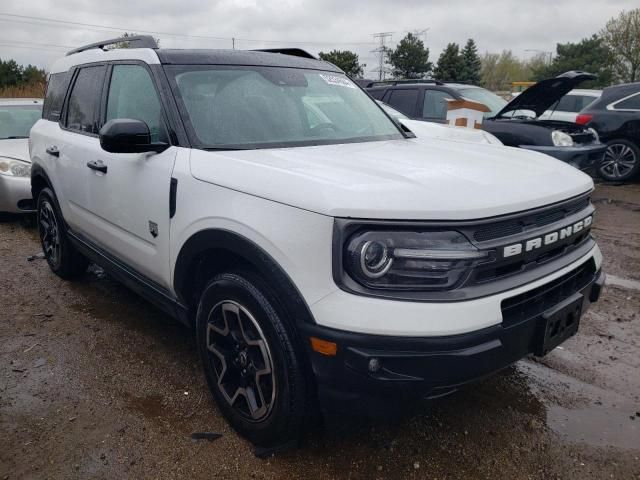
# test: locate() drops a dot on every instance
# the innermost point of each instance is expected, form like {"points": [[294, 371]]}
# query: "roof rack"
{"points": [[136, 41], [296, 52], [401, 82]]}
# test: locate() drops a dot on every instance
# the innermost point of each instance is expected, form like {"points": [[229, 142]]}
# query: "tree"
{"points": [[471, 63], [345, 60], [125, 44], [589, 54], [499, 70], [622, 36], [450, 64], [410, 59], [10, 73], [32, 74]]}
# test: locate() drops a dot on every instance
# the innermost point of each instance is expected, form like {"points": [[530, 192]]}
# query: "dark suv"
{"points": [[515, 123], [616, 118]]}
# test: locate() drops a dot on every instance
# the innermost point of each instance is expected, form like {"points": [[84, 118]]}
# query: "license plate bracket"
{"points": [[558, 324]]}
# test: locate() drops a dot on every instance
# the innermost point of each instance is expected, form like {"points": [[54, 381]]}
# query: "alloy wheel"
{"points": [[49, 232], [239, 353], [619, 160]]}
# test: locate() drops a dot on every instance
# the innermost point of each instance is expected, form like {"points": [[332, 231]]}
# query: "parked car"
{"points": [[567, 108], [616, 118], [515, 123], [344, 263], [17, 116], [427, 130]]}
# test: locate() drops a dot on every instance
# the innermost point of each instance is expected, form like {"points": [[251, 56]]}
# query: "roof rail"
{"points": [[296, 52], [136, 41], [401, 82]]}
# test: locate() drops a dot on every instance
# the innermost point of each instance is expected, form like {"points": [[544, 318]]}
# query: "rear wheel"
{"points": [[254, 371], [621, 161], [63, 259]]}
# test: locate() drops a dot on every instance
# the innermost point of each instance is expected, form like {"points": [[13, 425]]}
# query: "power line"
{"points": [[46, 45], [30, 48], [29, 19]]}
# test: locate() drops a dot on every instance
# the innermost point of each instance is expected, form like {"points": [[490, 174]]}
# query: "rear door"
{"points": [[130, 202]]}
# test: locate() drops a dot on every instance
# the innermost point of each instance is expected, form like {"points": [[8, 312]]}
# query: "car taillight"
{"points": [[583, 118]]}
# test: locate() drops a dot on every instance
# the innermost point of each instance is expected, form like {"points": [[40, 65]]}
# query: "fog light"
{"points": [[375, 365]]}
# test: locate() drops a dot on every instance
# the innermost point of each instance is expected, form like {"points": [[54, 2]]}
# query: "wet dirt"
{"points": [[96, 383]]}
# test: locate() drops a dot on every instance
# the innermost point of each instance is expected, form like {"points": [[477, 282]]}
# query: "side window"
{"points": [[404, 100], [583, 101], [568, 103], [377, 94], [435, 104], [84, 101], [132, 95], [56, 90], [631, 103]]}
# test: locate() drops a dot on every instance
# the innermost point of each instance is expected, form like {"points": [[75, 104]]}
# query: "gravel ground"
{"points": [[96, 383]]}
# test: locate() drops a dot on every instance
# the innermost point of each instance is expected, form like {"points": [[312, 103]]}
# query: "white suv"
{"points": [[327, 260]]}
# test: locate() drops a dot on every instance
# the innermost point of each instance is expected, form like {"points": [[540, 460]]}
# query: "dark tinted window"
{"points": [[377, 94], [567, 104], [631, 103], [84, 100], [404, 100], [132, 95], [583, 101], [56, 90], [435, 104]]}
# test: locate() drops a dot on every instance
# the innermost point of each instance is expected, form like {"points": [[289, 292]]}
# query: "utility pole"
{"points": [[233, 43], [382, 38]]}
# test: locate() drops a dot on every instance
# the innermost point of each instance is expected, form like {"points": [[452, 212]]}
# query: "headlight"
{"points": [[14, 168], [410, 260], [561, 139]]}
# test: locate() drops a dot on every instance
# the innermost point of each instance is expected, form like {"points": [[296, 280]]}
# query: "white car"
{"points": [[426, 130], [17, 116], [567, 108], [340, 263]]}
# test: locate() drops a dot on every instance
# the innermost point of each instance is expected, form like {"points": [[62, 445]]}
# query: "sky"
{"points": [[525, 27]]}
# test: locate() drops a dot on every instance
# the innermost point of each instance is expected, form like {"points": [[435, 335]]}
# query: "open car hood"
{"points": [[542, 95]]}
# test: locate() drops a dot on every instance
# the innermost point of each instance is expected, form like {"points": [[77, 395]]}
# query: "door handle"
{"points": [[97, 165], [53, 151]]}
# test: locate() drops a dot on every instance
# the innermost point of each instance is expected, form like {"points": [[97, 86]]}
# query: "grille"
{"points": [[534, 302], [529, 221]]}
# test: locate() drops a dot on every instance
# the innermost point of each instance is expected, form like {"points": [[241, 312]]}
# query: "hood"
{"points": [[423, 129], [397, 179], [15, 148], [542, 95]]}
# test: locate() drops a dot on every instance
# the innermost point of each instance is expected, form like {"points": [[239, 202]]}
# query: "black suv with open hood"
{"points": [[515, 123]]}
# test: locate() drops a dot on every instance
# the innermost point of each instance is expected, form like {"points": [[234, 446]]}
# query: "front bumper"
{"points": [[15, 195], [413, 368], [583, 157]]}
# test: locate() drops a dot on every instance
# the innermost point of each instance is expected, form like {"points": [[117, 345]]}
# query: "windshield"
{"points": [[17, 120], [241, 107], [490, 99]]}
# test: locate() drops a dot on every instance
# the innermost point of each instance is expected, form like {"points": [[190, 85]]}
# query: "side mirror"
{"points": [[125, 135]]}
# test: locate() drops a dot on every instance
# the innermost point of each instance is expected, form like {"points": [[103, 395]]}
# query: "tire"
{"points": [[621, 161], [63, 259], [269, 403]]}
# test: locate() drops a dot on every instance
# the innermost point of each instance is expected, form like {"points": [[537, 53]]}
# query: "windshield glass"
{"points": [[17, 120], [490, 99], [238, 107]]}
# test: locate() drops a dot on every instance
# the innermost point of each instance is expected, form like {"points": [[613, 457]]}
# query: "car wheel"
{"points": [[253, 368], [621, 161], [63, 259]]}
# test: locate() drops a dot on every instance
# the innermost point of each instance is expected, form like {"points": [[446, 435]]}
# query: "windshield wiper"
{"points": [[14, 137], [215, 149]]}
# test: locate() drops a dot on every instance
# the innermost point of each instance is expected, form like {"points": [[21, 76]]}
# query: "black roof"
{"points": [[241, 57]]}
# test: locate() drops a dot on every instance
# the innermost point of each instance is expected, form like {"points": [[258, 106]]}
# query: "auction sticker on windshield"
{"points": [[336, 80]]}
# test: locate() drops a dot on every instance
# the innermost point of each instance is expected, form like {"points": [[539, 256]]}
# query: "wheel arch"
{"points": [[212, 251], [39, 180]]}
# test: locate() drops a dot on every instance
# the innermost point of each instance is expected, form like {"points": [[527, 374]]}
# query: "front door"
{"points": [[130, 201]]}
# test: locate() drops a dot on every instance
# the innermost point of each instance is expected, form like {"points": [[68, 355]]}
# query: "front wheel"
{"points": [[253, 368], [63, 259], [621, 161]]}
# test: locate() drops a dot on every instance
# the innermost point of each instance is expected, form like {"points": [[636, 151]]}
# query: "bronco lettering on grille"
{"points": [[547, 239]]}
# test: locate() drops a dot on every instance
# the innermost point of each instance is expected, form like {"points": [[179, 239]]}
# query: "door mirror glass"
{"points": [[126, 135]]}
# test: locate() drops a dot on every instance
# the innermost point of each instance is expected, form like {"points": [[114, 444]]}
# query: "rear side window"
{"points": [[84, 100], [405, 101], [568, 103], [631, 103], [56, 90], [132, 95], [377, 94], [435, 104]]}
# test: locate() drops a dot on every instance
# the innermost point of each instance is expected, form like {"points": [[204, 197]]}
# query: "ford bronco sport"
{"points": [[323, 255]]}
